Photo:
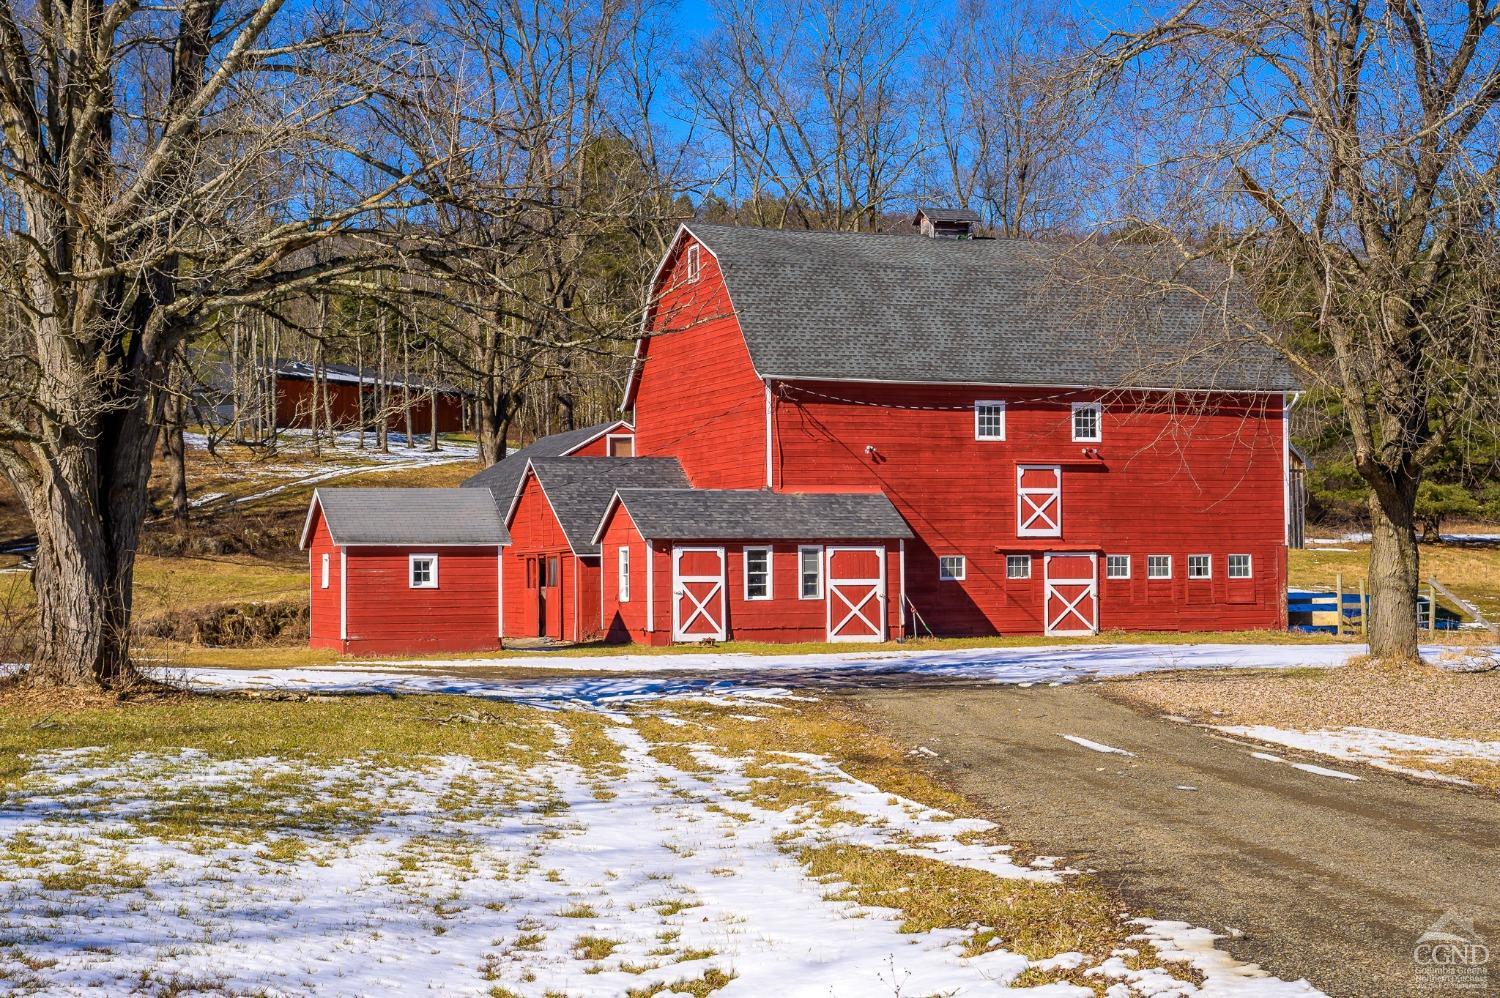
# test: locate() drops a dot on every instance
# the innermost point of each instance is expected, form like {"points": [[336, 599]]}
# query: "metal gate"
{"points": [[856, 594]]}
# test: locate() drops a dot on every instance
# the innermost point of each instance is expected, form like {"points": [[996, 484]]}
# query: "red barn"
{"points": [[404, 570], [846, 436], [353, 398]]}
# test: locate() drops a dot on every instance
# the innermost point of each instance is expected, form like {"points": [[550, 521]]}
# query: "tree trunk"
{"points": [[1394, 570], [176, 454]]}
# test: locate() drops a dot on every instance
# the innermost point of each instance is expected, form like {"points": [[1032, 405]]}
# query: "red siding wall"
{"points": [[294, 404], [572, 605], [1164, 483], [699, 399], [323, 629], [387, 616], [784, 617]]}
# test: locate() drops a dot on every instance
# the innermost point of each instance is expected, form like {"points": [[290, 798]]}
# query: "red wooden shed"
{"points": [[398, 571]]}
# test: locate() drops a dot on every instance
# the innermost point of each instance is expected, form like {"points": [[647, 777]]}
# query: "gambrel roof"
{"points": [[757, 514], [579, 489], [901, 308], [504, 476], [442, 517]]}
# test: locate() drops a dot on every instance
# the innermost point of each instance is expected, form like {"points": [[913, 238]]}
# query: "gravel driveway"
{"points": [[1321, 877]]}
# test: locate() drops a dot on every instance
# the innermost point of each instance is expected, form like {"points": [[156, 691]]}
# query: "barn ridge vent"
{"points": [[937, 222]]}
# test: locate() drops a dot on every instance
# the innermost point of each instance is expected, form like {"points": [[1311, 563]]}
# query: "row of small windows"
{"points": [[952, 567], [1088, 421], [757, 573]]}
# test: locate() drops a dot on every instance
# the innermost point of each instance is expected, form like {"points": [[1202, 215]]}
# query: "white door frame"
{"points": [[1070, 607], [1029, 510], [700, 607], [830, 585]]}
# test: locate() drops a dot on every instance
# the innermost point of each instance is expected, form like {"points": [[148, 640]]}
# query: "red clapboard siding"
{"points": [[387, 616], [571, 607], [294, 405], [698, 398], [783, 617], [323, 625], [1202, 481]]}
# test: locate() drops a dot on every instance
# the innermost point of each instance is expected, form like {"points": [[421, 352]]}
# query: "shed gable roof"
{"points": [[503, 477], [443, 517], [757, 514], [897, 308], [579, 489]]}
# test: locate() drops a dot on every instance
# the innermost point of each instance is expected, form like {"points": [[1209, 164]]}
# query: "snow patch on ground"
{"points": [[1096, 746], [1391, 750]]}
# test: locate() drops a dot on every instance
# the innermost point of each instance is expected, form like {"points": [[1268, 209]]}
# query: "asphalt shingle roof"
{"points": [[504, 476], [580, 488], [412, 516], [754, 514], [867, 307]]}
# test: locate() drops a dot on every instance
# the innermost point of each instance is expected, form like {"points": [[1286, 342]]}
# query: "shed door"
{"points": [[697, 594], [1071, 603], [856, 594], [1038, 500]]}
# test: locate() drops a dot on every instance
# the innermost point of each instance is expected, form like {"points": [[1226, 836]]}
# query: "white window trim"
{"points": [[622, 562], [963, 568], [1109, 575], [801, 571], [1028, 566], [1149, 576], [694, 263], [1098, 409], [1249, 567], [998, 403], [609, 443], [411, 562], [326, 559], [1054, 525], [770, 575], [1200, 578]]}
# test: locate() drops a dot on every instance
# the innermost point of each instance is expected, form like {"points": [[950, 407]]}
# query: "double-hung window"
{"points": [[1239, 566], [1200, 566], [325, 571], [1088, 422], [757, 573], [1158, 566], [989, 420], [810, 573], [624, 568], [422, 570]]}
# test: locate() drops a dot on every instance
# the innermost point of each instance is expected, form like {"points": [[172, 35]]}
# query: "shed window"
{"points": [[1087, 422], [325, 571], [1018, 566], [952, 568], [1117, 566], [694, 264], [1158, 566], [1239, 566], [1200, 566], [423, 571], [989, 420], [757, 573], [624, 555], [810, 571]]}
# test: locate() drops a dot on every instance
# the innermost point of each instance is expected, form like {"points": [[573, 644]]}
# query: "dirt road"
{"points": [[1328, 879]]}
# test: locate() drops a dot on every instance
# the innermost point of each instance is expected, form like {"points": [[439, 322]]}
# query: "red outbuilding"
{"points": [[404, 570], [350, 397]]}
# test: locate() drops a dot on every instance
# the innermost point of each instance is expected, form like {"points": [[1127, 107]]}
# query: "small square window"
{"points": [[694, 264], [989, 420], [1239, 566], [1117, 566], [1158, 566], [1018, 566], [1199, 566], [423, 571], [325, 571], [951, 568], [757, 573], [810, 569], [624, 566], [1087, 422]]}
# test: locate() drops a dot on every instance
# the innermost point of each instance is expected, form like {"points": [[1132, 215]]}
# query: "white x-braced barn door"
{"points": [[856, 594], [698, 594], [1038, 500], [1071, 604]]}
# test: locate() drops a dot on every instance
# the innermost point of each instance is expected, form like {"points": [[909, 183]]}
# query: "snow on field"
{"points": [[152, 872], [1401, 753], [1363, 537]]}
